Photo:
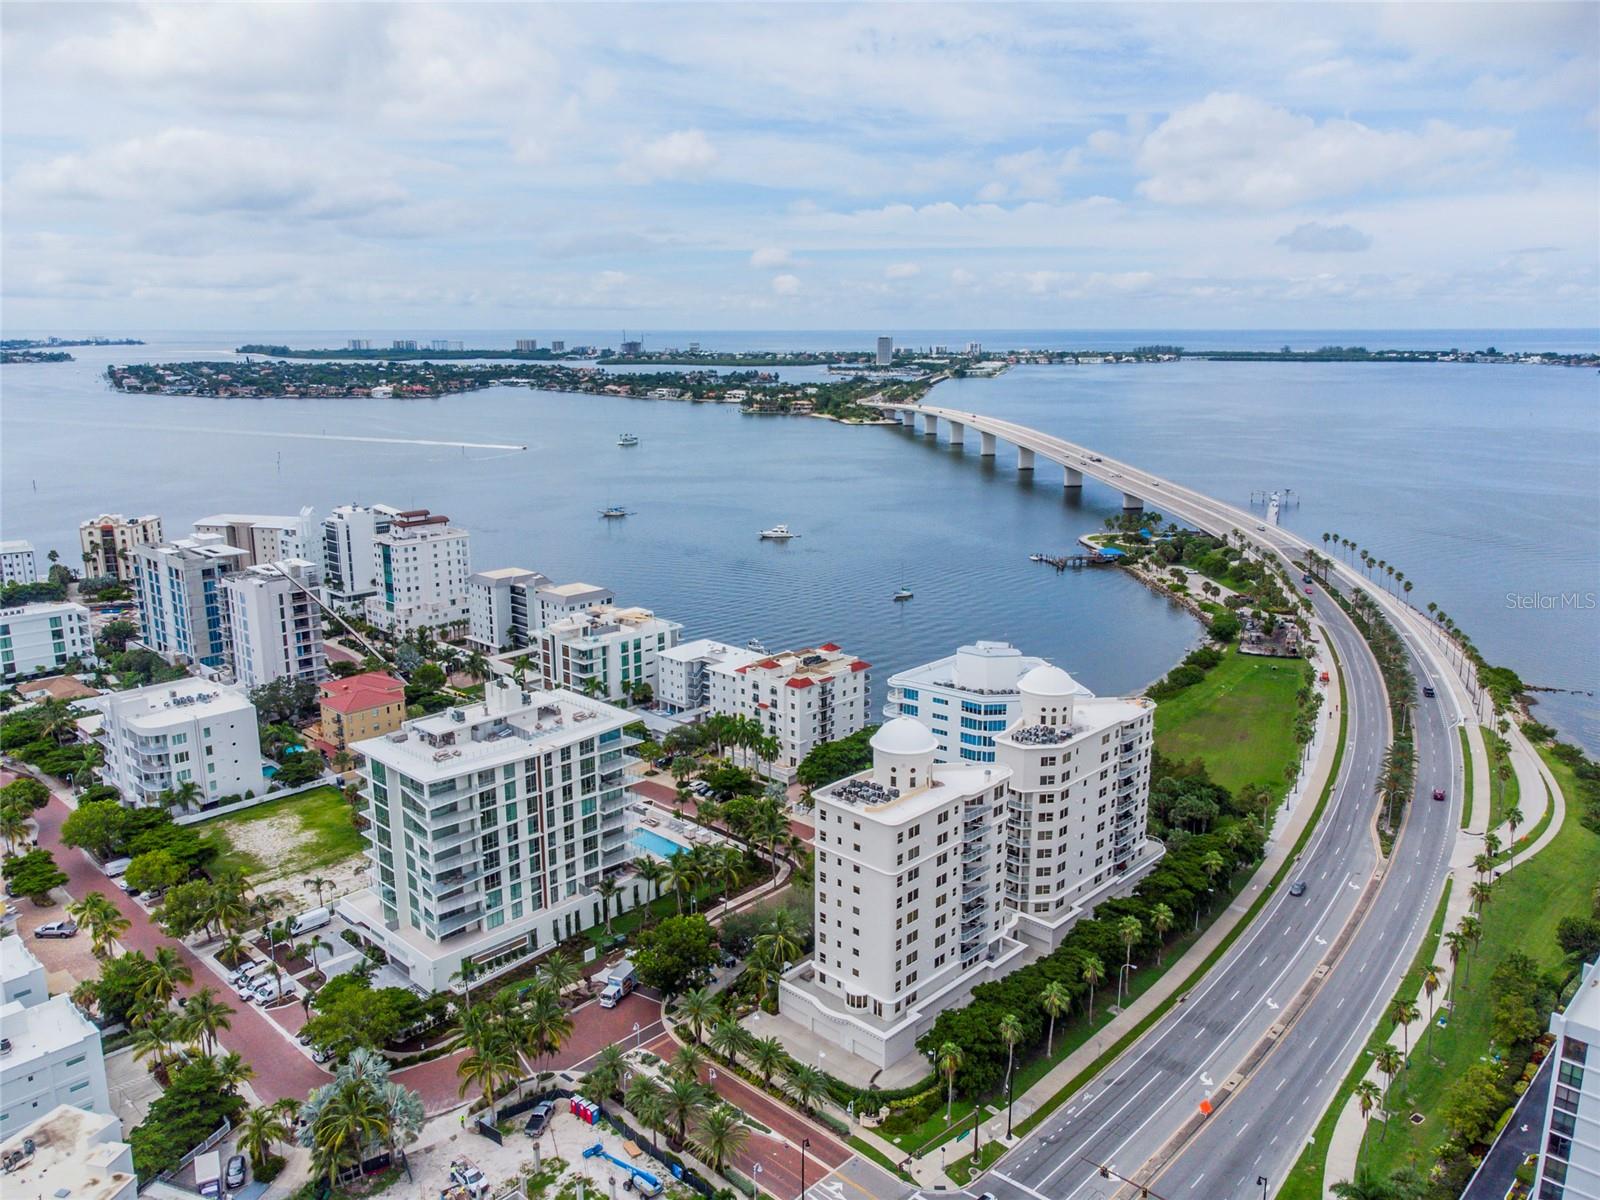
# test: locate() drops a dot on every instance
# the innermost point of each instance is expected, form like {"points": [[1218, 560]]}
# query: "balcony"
{"points": [[974, 873], [456, 840], [972, 854], [455, 922]]}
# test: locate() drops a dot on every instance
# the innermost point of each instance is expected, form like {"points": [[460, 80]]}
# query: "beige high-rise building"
{"points": [[109, 540]]}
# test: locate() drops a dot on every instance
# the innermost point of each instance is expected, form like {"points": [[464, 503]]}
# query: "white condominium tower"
{"points": [[491, 823], [615, 648], [43, 637], [18, 563], [909, 900], [423, 563], [264, 539], [685, 682], [160, 737], [498, 608], [1569, 1159], [275, 623], [801, 697], [181, 606], [965, 699], [108, 541], [350, 553], [1078, 770]]}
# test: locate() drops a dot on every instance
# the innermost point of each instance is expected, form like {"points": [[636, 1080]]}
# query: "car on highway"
{"points": [[1299, 888], [1261, 528], [1438, 793], [57, 929], [1427, 690], [1308, 591]]}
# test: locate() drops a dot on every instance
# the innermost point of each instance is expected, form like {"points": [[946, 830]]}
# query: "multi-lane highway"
{"points": [[1295, 997]]}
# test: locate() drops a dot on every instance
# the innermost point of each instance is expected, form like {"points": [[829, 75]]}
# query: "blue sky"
{"points": [[799, 166]]}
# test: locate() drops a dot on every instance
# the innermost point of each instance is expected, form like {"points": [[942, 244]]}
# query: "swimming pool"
{"points": [[661, 847]]}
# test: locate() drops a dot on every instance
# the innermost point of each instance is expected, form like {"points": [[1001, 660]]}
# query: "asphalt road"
{"points": [[1128, 1115], [1519, 1139]]}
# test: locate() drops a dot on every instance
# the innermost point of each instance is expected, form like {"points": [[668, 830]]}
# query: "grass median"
{"points": [[1466, 766]]}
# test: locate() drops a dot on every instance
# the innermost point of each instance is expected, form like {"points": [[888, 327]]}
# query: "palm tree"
{"points": [[607, 889], [689, 1061], [770, 827], [1129, 929], [1430, 985], [1010, 1033], [647, 1102], [1211, 862], [1513, 819], [718, 1134], [465, 973], [653, 871], [729, 1038], [1480, 894], [351, 1119], [103, 919], [164, 975], [545, 1024], [727, 869], [154, 1039], [13, 826], [683, 1099], [780, 937], [1368, 1095], [259, 1132], [1161, 920], [611, 1065], [700, 1008], [232, 1071], [232, 951], [1055, 1000], [487, 1068], [561, 971], [766, 1056], [1366, 1185], [1456, 944], [314, 943], [1093, 972], [1402, 1013], [205, 1016], [317, 884], [1389, 1061], [806, 1085], [948, 1058]]}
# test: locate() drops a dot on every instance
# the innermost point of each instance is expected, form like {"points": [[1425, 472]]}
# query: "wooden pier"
{"points": [[1063, 561]]}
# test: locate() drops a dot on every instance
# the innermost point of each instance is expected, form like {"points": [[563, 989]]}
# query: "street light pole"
{"points": [[1008, 1104], [1262, 1180], [805, 1144]]}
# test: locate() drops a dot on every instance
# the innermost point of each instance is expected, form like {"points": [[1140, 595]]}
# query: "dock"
{"points": [[1063, 561]]}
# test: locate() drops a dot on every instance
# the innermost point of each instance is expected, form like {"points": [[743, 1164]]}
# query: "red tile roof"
{"points": [[359, 693]]}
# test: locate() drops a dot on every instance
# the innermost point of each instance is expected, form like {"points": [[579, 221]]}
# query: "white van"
{"points": [[317, 918], [116, 867], [208, 1173]]}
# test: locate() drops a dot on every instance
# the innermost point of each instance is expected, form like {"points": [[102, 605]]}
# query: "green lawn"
{"points": [[325, 835], [1503, 796], [1238, 720], [1526, 906], [1466, 765]]}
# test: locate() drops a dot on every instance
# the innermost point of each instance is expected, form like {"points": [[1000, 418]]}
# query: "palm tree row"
{"points": [[360, 1113], [513, 1029]]}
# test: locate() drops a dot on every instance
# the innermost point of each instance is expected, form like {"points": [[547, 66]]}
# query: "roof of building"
{"points": [[39, 1029], [181, 699], [358, 693], [573, 589], [509, 573], [16, 960], [1048, 680], [808, 665], [58, 687], [16, 547], [1584, 1007], [70, 1156], [905, 735]]}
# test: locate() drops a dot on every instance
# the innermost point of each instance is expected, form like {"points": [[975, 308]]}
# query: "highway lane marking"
{"points": [[1197, 1180], [1014, 1183], [1242, 1128], [1281, 1082]]}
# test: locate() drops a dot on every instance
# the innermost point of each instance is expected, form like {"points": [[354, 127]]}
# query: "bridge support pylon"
{"points": [[1131, 503], [1024, 459], [958, 433], [930, 425], [987, 448], [1073, 478]]}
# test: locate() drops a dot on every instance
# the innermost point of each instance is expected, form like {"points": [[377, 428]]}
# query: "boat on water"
{"points": [[904, 593], [757, 645], [612, 513], [628, 439], [778, 533]]}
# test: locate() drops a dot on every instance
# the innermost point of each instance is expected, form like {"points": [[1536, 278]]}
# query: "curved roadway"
{"points": [[1140, 1116]]}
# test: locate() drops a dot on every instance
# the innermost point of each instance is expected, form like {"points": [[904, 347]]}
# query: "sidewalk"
{"points": [[1300, 803]]}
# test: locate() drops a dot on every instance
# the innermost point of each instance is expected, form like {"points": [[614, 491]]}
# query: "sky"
{"points": [[741, 166]]}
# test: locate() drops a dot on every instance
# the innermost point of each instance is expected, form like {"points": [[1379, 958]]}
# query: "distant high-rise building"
{"points": [[403, 344], [632, 347], [358, 344], [885, 351], [439, 344], [43, 637], [423, 563], [18, 563], [558, 347], [527, 345], [617, 648], [974, 348], [180, 598], [275, 623], [349, 555], [264, 539], [108, 541]]}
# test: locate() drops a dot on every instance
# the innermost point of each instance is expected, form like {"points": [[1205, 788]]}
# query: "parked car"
{"points": [[317, 918], [250, 978], [272, 989], [57, 929], [538, 1118], [665, 761], [321, 1054], [233, 1177], [1299, 888]]}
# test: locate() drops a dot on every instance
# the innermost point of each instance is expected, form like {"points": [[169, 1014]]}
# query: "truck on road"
{"points": [[619, 981]]}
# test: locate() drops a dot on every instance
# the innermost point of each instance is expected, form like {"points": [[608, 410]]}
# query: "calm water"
{"points": [[1474, 480]]}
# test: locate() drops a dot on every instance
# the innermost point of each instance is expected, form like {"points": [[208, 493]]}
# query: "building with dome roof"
{"points": [[909, 900]]}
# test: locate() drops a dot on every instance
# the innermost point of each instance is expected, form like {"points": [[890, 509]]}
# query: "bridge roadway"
{"points": [[1129, 1116]]}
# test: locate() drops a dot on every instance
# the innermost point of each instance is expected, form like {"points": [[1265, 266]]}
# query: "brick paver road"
{"points": [[281, 1068]]}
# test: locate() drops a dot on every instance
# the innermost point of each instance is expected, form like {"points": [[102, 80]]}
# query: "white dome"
{"points": [[905, 736], [1048, 680]]}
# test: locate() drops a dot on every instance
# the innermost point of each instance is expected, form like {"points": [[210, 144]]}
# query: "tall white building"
{"points": [[350, 553], [264, 539], [558, 600], [54, 1059], [801, 697], [160, 737], [617, 648], [181, 606], [965, 699], [684, 683], [18, 563], [43, 637], [22, 977], [109, 540], [909, 904], [76, 1154], [502, 607], [1569, 1160], [491, 824], [275, 623], [1078, 770], [885, 351], [423, 563]]}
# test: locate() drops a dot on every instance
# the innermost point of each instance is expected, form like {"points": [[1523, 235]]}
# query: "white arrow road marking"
{"points": [[1321, 941], [1271, 1004], [1205, 1079]]}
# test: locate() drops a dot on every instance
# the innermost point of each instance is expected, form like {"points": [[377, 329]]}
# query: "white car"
{"points": [[251, 978], [270, 990]]}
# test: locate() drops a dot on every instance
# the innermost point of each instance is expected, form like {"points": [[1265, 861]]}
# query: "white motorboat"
{"points": [[778, 533], [628, 439]]}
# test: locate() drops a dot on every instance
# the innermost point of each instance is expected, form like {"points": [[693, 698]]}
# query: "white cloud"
{"points": [[786, 284], [681, 154], [1031, 175], [902, 270], [1231, 149], [1316, 238], [768, 258]]}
